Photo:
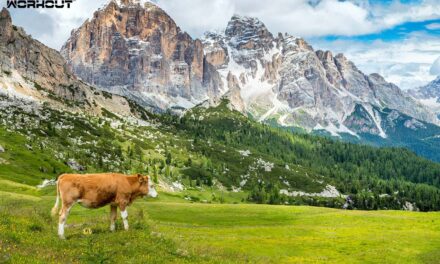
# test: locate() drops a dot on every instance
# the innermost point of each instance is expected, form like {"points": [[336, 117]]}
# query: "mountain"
{"points": [[31, 73], [138, 51], [429, 95], [284, 79], [52, 123]]}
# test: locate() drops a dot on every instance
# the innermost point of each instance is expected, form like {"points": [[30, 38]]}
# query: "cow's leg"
{"points": [[124, 215], [64, 213], [113, 214]]}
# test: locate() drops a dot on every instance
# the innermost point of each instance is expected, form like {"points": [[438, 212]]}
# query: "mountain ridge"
{"points": [[138, 51], [245, 62], [34, 73], [429, 95]]}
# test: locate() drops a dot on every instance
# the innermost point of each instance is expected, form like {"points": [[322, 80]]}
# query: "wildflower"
{"points": [[87, 231]]}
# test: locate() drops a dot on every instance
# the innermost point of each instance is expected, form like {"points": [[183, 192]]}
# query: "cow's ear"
{"points": [[140, 178]]}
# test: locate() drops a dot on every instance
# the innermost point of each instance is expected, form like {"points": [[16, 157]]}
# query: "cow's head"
{"points": [[147, 187]]}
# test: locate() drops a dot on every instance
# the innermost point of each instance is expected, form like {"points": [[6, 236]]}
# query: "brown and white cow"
{"points": [[97, 190]]}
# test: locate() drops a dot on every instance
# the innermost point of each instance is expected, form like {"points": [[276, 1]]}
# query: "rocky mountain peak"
{"points": [[126, 3], [436, 82], [377, 78], [248, 33], [429, 94], [326, 56], [5, 24], [33, 73], [134, 18], [5, 17], [134, 48]]}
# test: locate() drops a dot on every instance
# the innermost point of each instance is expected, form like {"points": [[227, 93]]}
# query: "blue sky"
{"points": [[398, 39], [396, 33]]}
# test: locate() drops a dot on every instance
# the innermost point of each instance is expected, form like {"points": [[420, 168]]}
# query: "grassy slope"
{"points": [[167, 232], [91, 140], [203, 149], [170, 231]]}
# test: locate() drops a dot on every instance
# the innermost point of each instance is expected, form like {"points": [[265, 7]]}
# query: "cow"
{"points": [[98, 190]]}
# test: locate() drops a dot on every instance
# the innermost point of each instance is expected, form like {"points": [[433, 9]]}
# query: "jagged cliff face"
{"points": [[138, 50], [284, 80], [33, 73], [429, 95], [29, 57]]}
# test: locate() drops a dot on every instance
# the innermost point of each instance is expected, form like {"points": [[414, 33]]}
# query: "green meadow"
{"points": [[169, 230], [211, 221]]}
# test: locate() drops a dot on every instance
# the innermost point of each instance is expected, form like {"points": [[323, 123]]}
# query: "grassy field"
{"points": [[166, 231]]}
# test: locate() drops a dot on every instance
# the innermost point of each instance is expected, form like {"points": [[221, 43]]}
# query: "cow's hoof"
{"points": [[62, 237]]}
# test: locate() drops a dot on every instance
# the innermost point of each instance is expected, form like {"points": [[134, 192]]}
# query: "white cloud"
{"points": [[433, 26], [297, 17], [198, 16], [398, 13]]}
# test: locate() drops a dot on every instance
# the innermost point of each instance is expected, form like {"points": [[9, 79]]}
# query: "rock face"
{"points": [[429, 95], [138, 50], [30, 58], [74, 165], [283, 79], [33, 72]]}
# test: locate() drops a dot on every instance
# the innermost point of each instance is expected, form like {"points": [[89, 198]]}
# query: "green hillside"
{"points": [[225, 162], [215, 149]]}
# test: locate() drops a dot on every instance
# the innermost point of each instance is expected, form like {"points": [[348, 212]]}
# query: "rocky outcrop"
{"points": [[32, 59], [6, 28], [139, 51], [429, 95], [30, 70]]}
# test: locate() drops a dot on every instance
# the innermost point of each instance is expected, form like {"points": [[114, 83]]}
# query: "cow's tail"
{"points": [[55, 208]]}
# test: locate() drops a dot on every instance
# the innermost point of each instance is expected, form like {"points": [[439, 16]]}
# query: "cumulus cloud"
{"points": [[398, 13], [433, 26], [306, 18], [297, 17]]}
